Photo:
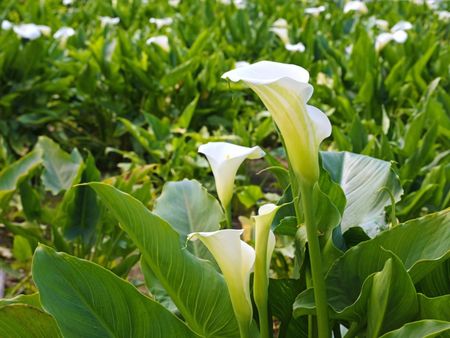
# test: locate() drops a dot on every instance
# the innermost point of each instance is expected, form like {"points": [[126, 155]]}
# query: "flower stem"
{"points": [[320, 295], [228, 216], [260, 282]]}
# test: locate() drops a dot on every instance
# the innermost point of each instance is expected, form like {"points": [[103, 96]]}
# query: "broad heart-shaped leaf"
{"points": [[421, 328], [87, 300], [188, 208], [197, 289], [22, 320], [380, 291], [12, 175], [61, 169], [363, 178]]}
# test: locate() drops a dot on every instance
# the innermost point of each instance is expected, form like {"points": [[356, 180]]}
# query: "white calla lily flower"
{"points": [[160, 40], [161, 22], [31, 31], [443, 15], [109, 21], [239, 64], [64, 33], [397, 34], [315, 11], [280, 28], [7, 25], [235, 259], [225, 160], [382, 24], [298, 47], [174, 3], [284, 90], [355, 6]]}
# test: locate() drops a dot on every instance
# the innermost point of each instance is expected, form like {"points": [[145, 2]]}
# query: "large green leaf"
{"points": [[188, 207], [32, 300], [11, 176], [61, 169], [21, 320], [197, 289], [363, 178], [422, 329], [89, 301], [419, 244]]}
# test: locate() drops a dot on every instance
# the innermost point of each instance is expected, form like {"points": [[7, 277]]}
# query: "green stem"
{"points": [[228, 215], [260, 281], [352, 330], [320, 295], [310, 317]]}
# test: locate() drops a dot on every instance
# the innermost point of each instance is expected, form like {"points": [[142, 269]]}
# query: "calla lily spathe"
{"points": [[160, 40], [225, 160], [284, 90], [235, 259]]}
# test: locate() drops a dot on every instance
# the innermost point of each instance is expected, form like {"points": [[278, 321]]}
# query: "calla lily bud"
{"points": [[235, 259], [284, 90], [225, 160], [264, 246]]}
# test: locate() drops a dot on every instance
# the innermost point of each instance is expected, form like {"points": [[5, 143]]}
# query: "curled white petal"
{"points": [[382, 40], [298, 47], [443, 15], [382, 24], [161, 22], [400, 36], [160, 40], [28, 31], [7, 25], [401, 26], [356, 6], [64, 33], [315, 10], [225, 160], [67, 2], [109, 21], [174, 3]]}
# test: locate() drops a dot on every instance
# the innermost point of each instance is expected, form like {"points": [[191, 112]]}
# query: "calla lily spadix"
{"points": [[284, 90], [225, 160], [235, 259]]}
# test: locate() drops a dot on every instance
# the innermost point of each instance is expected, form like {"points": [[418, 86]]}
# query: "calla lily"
{"points": [[315, 10], [67, 2], [298, 47], [161, 22], [443, 15], [280, 28], [355, 6], [397, 34], [109, 21], [174, 3], [160, 40], [64, 33], [225, 160], [382, 24], [235, 259], [284, 90], [7, 25], [31, 31]]}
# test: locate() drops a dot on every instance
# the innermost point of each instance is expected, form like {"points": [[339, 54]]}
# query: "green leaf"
{"points": [[80, 209], [11, 176], [197, 289], [89, 301], [21, 320], [365, 207], [182, 204], [186, 116], [422, 328], [62, 170], [249, 195], [22, 249], [282, 293], [392, 299], [435, 307]]}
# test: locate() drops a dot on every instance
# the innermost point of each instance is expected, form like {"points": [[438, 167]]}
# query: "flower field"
{"points": [[225, 168]]}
